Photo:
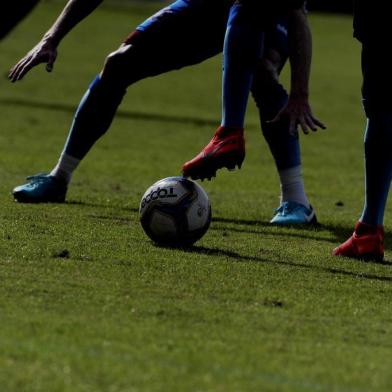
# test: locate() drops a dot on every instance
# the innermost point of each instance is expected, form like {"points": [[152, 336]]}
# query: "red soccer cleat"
{"points": [[366, 243], [226, 149]]}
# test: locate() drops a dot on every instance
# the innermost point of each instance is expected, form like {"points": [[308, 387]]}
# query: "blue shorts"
{"points": [[188, 32]]}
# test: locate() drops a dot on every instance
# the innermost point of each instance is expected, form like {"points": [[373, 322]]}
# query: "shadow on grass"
{"points": [[260, 227], [127, 114], [128, 218], [217, 252], [102, 205], [341, 233]]}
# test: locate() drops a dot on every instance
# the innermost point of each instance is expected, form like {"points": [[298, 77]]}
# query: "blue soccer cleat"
{"points": [[293, 213], [41, 188]]}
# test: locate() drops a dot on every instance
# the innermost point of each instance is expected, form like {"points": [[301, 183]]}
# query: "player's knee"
{"points": [[113, 66], [119, 66]]}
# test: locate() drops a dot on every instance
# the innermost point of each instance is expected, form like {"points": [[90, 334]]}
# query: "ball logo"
{"points": [[158, 193]]}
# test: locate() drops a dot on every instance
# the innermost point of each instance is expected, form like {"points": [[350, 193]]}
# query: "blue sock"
{"points": [[284, 147], [242, 48], [378, 167], [93, 117]]}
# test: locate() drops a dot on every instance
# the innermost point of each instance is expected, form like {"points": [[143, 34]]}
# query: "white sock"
{"points": [[65, 167], [292, 186]]}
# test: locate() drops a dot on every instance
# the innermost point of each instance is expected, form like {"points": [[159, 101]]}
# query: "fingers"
{"points": [[25, 65], [15, 70], [20, 69], [23, 70], [50, 64], [16, 74], [313, 123], [319, 123], [298, 114], [302, 122], [306, 122], [33, 58], [310, 122]]}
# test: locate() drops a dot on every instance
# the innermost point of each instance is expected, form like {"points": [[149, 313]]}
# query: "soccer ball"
{"points": [[175, 211]]}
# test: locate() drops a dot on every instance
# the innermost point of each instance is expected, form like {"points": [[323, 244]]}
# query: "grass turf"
{"points": [[88, 303]]}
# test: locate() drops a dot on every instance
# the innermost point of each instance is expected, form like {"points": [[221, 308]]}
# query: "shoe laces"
{"points": [[286, 208], [37, 177]]}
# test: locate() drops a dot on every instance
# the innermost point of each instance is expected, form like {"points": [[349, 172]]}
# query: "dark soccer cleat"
{"points": [[41, 188], [366, 243], [226, 149]]}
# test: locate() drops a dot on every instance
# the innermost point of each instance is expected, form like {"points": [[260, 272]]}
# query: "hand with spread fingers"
{"points": [[299, 113], [44, 52]]}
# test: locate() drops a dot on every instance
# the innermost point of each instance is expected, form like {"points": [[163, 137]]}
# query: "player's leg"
{"points": [[367, 239], [378, 136], [242, 48], [169, 40], [13, 13], [270, 97]]}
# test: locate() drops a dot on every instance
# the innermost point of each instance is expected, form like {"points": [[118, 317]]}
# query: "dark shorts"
{"points": [[188, 32], [377, 79], [15, 12]]}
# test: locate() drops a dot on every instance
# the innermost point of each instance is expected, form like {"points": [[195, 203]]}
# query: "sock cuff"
{"points": [[67, 160], [65, 167], [288, 176]]}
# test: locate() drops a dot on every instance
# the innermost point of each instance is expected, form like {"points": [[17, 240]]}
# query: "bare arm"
{"points": [[300, 55], [46, 50]]}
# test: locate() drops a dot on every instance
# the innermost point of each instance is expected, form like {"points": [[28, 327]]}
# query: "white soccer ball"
{"points": [[175, 211]]}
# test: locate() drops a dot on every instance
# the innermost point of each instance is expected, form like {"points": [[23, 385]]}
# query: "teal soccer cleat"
{"points": [[41, 188], [293, 213]]}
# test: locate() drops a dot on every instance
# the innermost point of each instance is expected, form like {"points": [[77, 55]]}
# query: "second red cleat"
{"points": [[226, 149], [366, 243]]}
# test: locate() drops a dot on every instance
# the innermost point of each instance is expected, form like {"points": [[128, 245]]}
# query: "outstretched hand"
{"points": [[299, 113], [43, 52]]}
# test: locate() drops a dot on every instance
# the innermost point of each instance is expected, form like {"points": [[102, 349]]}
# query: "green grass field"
{"points": [[88, 303]]}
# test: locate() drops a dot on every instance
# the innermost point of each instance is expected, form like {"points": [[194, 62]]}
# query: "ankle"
{"points": [[224, 131], [65, 168], [292, 186], [61, 175], [363, 228]]}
